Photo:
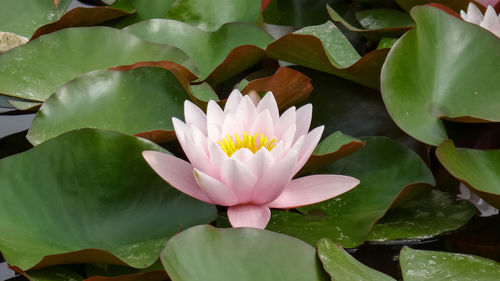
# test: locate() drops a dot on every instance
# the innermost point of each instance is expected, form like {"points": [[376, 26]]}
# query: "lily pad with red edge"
{"points": [[23, 17], [423, 217], [348, 218], [420, 265], [36, 70], [244, 254], [442, 78], [325, 48], [109, 272], [377, 23], [218, 55], [478, 169], [54, 273], [211, 15], [343, 267], [138, 101], [88, 196], [81, 16], [288, 86]]}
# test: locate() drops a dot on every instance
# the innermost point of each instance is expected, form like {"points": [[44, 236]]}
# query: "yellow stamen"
{"points": [[231, 145]]}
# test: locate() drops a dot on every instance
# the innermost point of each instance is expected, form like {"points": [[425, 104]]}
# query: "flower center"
{"points": [[252, 142]]}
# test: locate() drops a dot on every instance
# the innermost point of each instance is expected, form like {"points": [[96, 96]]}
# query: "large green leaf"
{"points": [[144, 10], [419, 265], [348, 218], [450, 76], [376, 23], [205, 253], [34, 71], [325, 48], [428, 215], [23, 17], [479, 169], [343, 267], [297, 12], [55, 273], [131, 102], [89, 196], [456, 5], [210, 15], [209, 50]]}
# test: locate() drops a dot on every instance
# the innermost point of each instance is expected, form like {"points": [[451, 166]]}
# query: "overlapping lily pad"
{"points": [[419, 265], [443, 77], [348, 219], [210, 15], [219, 54], [343, 267], [297, 13], [479, 169], [109, 272], [325, 48], [428, 215], [244, 254], [23, 17], [88, 196], [34, 71], [132, 102], [143, 10], [456, 5], [376, 23]]}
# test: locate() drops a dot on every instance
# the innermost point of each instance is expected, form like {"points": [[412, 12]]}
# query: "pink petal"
{"points": [[217, 158], [249, 216], [269, 102], [310, 142], [260, 162], [491, 21], [473, 15], [263, 124], [288, 137], [304, 115], [313, 189], [242, 154], [284, 122], [231, 126], [176, 172], [181, 131], [195, 117], [274, 180], [245, 113], [239, 178], [193, 142], [218, 192], [233, 101], [254, 97], [215, 118]]}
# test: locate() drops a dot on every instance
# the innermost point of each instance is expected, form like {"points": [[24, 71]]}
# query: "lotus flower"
{"points": [[490, 21], [245, 156]]}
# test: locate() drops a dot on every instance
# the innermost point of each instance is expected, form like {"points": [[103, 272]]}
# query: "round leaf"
{"points": [[205, 253], [88, 196], [419, 265], [450, 76], [35, 70], [131, 102]]}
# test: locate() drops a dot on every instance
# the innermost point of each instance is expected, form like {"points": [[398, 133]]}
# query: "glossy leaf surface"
{"points": [[443, 77], [205, 253], [135, 101], [209, 50], [343, 267], [88, 196], [419, 265], [347, 219], [479, 169], [423, 217], [34, 71], [325, 48], [456, 5]]}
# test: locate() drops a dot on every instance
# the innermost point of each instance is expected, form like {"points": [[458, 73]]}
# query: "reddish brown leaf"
{"points": [[157, 136], [445, 8], [173, 67], [81, 16], [288, 86], [148, 276]]}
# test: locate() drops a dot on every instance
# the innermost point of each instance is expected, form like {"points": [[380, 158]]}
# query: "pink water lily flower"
{"points": [[490, 21], [245, 156]]}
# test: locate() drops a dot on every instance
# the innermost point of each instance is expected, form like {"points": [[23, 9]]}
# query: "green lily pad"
{"points": [[343, 267], [419, 265], [325, 48], [108, 272], [442, 78], [298, 13], [376, 23], [36, 70], [478, 169], [88, 196], [423, 217], [386, 42], [211, 51], [135, 101], [204, 92], [456, 5], [211, 15], [205, 253], [23, 17], [144, 10], [348, 218], [55, 273]]}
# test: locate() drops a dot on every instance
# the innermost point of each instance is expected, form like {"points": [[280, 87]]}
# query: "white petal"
{"points": [[491, 21], [239, 178], [242, 154], [304, 116], [217, 191], [284, 122], [195, 116], [269, 102], [474, 15], [263, 124], [233, 101], [249, 216], [246, 112], [231, 126], [310, 142]]}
